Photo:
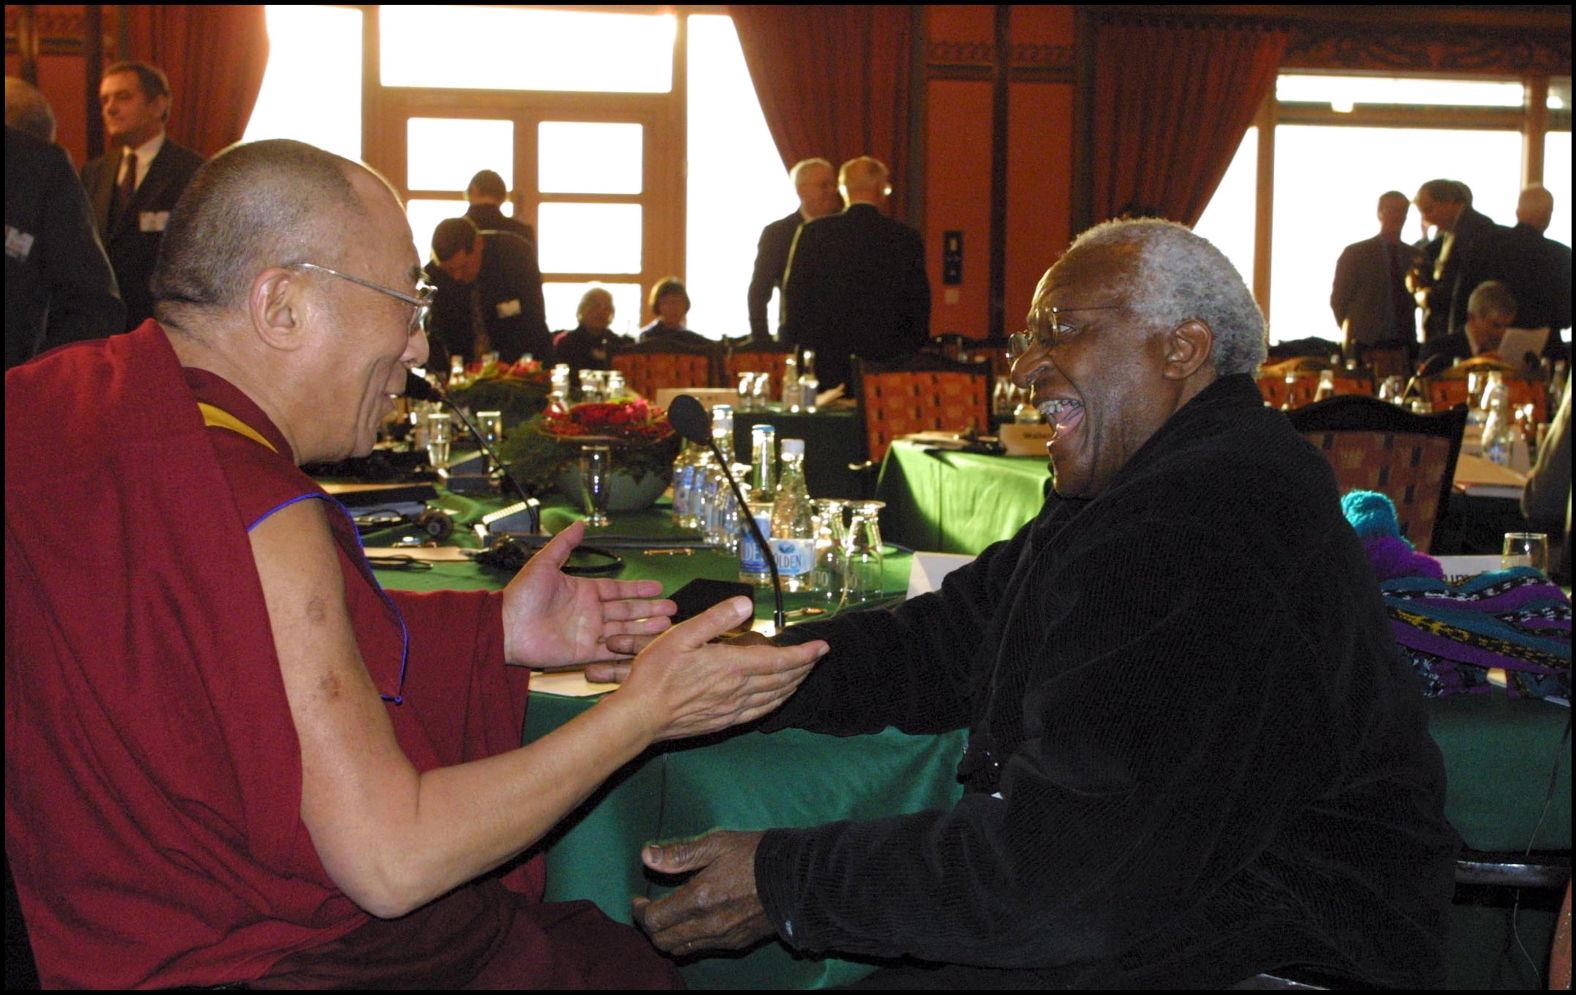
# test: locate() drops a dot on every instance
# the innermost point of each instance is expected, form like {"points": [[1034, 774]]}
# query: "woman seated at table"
{"points": [[589, 345], [670, 303]]}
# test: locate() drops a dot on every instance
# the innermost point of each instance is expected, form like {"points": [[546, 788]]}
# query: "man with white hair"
{"points": [[815, 181], [1194, 752], [856, 283], [1537, 268]]}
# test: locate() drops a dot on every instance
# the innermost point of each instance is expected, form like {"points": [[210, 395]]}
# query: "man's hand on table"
{"points": [[551, 619], [718, 908]]}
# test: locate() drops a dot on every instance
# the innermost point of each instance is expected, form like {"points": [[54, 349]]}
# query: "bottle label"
{"points": [[795, 557], [751, 559]]}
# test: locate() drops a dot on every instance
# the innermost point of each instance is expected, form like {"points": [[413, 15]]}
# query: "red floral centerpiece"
{"points": [[547, 447]]}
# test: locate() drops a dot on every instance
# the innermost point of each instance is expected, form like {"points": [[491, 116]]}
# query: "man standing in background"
{"points": [[816, 183], [856, 281], [1538, 268], [486, 195], [1469, 247], [489, 293], [1369, 298], [133, 186]]}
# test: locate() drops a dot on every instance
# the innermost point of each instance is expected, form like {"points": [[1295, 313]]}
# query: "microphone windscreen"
{"points": [[417, 388], [689, 419]]}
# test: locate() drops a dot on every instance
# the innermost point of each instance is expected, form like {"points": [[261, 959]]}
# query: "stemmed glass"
{"points": [[439, 437], [596, 484]]}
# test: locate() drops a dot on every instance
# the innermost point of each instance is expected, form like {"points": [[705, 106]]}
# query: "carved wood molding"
{"points": [[51, 21], [977, 60], [1332, 46]]}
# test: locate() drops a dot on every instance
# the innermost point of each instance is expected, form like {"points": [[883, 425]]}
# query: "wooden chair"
{"points": [[922, 393], [1386, 360], [648, 366], [1374, 445], [1294, 383], [1450, 388]]}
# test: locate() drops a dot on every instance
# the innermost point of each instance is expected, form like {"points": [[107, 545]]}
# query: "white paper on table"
{"points": [[1457, 567], [928, 569]]}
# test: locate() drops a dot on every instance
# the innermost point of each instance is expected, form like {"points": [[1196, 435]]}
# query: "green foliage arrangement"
{"points": [[541, 448]]}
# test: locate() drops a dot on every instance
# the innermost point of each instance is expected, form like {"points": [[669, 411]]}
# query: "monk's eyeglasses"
{"points": [[1045, 329], [421, 303]]}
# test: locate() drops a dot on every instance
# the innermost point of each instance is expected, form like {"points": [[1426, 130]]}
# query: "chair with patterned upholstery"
{"points": [[1374, 445], [1294, 383], [650, 366], [919, 394], [1453, 386]]}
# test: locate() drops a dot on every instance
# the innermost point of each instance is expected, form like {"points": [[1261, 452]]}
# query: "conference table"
{"points": [[1508, 789]]}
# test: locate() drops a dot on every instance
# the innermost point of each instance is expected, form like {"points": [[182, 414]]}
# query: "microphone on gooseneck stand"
{"points": [[688, 418], [418, 388], [1423, 369]]}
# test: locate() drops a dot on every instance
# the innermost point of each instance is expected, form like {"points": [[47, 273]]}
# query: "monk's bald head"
{"points": [[254, 206]]}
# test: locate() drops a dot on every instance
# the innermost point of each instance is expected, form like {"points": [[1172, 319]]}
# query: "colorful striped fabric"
{"points": [[1514, 620]]}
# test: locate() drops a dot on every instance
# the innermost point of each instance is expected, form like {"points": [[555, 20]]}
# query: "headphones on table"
{"points": [[508, 552], [436, 524]]}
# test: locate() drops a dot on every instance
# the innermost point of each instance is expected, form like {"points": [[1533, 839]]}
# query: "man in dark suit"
{"points": [[58, 285], [1369, 297], [856, 281], [134, 185], [1538, 269], [815, 181], [489, 293], [486, 195], [1469, 253]]}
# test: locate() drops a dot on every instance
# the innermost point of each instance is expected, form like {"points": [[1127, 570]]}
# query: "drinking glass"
{"points": [[440, 433], [760, 390], [827, 578], [746, 391], [1525, 549], [596, 483], [491, 424], [864, 564]]}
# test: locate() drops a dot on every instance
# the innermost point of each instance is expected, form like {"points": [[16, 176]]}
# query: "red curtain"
{"points": [[1171, 104], [214, 57], [833, 80]]}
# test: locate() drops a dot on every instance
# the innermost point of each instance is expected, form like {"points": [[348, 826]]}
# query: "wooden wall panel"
{"points": [[957, 187]]}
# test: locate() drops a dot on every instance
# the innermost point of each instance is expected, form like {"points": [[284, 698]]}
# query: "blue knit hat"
{"points": [[1372, 515]]}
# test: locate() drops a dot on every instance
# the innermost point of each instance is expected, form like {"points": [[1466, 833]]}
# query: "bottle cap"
{"points": [[793, 447]]}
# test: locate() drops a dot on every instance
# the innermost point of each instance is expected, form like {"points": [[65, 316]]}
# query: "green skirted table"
{"points": [[1501, 757], [956, 502]]}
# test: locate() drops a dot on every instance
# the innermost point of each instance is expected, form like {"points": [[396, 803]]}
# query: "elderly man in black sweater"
{"points": [[1194, 755]]}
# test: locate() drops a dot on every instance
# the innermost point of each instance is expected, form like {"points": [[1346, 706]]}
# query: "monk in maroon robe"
{"points": [[230, 755]]}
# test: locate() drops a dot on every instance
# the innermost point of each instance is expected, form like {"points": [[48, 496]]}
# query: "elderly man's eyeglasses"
{"points": [[1045, 329], [421, 304]]}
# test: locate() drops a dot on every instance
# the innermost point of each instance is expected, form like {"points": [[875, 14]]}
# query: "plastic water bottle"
{"points": [[685, 466], [793, 521], [753, 565], [1498, 428]]}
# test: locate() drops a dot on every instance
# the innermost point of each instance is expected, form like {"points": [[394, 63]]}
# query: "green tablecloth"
{"points": [[1499, 756], [954, 502]]}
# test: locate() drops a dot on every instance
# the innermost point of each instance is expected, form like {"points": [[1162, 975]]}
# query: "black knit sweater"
{"points": [[1195, 754]]}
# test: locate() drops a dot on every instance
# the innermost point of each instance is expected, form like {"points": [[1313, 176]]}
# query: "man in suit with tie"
{"points": [[134, 185], [856, 281], [1369, 297], [815, 181], [1469, 253]]}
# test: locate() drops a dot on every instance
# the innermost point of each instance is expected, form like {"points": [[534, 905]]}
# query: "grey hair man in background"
{"points": [[815, 181]]}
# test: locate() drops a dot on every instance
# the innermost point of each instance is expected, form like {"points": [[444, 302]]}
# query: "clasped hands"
{"points": [[551, 619]]}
